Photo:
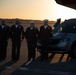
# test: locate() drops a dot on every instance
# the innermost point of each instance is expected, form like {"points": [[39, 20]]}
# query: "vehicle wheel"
{"points": [[72, 52]]}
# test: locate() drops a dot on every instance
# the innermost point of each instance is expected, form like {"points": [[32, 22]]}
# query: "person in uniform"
{"points": [[17, 35], [4, 36], [31, 35], [44, 35], [57, 23]]}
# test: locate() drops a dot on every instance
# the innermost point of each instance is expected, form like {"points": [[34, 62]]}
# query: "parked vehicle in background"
{"points": [[63, 40]]}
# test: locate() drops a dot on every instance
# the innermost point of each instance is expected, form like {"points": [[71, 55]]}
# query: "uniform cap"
{"points": [[16, 18], [45, 20], [59, 19], [31, 21]]}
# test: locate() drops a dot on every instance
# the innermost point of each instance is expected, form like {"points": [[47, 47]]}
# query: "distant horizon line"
{"points": [[27, 19]]}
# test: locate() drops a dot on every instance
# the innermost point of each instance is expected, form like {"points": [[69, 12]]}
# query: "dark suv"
{"points": [[63, 40]]}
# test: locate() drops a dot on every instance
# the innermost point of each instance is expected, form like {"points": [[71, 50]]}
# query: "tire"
{"points": [[72, 52]]}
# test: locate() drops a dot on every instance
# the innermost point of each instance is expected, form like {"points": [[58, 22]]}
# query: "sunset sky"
{"points": [[35, 9]]}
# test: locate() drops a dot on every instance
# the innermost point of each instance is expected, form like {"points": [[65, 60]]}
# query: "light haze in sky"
{"points": [[35, 9]]}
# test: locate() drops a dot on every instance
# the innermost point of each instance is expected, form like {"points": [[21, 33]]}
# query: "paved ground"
{"points": [[57, 64]]}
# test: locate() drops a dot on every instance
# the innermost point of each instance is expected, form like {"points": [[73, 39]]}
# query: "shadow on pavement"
{"points": [[3, 67], [37, 67]]}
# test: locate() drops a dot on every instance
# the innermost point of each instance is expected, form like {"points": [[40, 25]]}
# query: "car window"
{"points": [[56, 30], [68, 29], [65, 29]]}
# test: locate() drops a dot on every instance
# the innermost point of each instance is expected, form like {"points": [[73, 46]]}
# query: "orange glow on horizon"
{"points": [[35, 9]]}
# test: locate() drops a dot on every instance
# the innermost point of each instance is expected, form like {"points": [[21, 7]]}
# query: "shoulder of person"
{"points": [[35, 28], [27, 28], [49, 26], [13, 25], [42, 26], [7, 26], [20, 25]]}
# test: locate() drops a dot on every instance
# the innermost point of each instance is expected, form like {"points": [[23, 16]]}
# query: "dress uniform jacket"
{"points": [[44, 35], [4, 36], [16, 34], [31, 35]]}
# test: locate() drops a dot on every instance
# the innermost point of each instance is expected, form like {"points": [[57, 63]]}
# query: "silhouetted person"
{"points": [[44, 35], [31, 35], [4, 36], [57, 23], [17, 35]]}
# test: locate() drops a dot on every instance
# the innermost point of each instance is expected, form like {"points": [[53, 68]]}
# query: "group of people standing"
{"points": [[16, 34]]}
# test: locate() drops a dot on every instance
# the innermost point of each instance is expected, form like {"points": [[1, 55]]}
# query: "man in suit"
{"points": [[4, 36], [31, 35], [44, 35], [17, 35]]}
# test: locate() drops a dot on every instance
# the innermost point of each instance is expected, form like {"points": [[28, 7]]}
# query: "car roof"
{"points": [[69, 22]]}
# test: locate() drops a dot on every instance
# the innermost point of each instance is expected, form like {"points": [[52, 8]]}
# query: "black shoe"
{"points": [[29, 59], [2, 59], [33, 59], [42, 60], [17, 58], [14, 59], [46, 60]]}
